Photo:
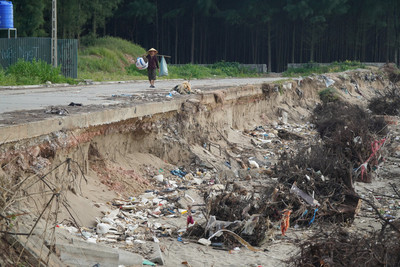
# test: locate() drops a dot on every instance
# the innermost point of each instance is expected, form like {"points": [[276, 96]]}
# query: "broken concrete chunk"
{"points": [[157, 256]]}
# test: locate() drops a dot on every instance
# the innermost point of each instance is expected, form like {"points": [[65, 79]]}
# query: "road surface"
{"points": [[12, 100]]}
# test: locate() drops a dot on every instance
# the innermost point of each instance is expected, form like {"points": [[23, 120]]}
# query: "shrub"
{"points": [[386, 103], [35, 72], [328, 95], [134, 71], [230, 69], [189, 71]]}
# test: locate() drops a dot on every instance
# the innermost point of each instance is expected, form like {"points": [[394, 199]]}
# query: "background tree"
{"points": [[248, 31], [29, 18]]}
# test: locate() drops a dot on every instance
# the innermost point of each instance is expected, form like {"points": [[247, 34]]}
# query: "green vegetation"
{"points": [[109, 59], [310, 68], [35, 72], [217, 70], [328, 95]]}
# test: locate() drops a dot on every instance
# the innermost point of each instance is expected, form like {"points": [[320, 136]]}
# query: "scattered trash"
{"points": [[253, 164], [238, 238], [235, 250], [149, 263], [57, 110], [285, 221], [328, 81], [72, 104], [204, 241], [159, 178], [310, 200], [183, 88], [179, 173], [186, 263]]}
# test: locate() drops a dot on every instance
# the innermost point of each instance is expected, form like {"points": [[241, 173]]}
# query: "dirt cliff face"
{"points": [[96, 164]]}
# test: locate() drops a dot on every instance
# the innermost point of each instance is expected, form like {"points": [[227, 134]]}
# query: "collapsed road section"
{"points": [[235, 176]]}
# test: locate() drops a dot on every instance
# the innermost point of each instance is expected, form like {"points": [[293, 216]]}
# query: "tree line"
{"points": [[273, 32]]}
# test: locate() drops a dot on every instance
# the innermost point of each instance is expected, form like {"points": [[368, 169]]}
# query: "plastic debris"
{"points": [[310, 200], [253, 164], [313, 218], [159, 178], [237, 237], [147, 262], [285, 221], [178, 173], [204, 241]]}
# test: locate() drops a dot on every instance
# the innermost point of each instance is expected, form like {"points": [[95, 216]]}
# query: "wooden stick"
{"points": [[163, 56]]}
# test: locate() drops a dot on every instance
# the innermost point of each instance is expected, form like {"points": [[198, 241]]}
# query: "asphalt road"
{"points": [[17, 99]]}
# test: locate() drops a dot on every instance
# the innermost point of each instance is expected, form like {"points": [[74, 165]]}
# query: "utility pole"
{"points": [[54, 33]]}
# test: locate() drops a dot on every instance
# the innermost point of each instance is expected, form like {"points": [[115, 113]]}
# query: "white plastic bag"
{"points": [[163, 67], [141, 64]]}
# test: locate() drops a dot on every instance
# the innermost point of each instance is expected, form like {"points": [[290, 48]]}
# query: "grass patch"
{"points": [[28, 73], [189, 71], [108, 58], [217, 70], [310, 68]]}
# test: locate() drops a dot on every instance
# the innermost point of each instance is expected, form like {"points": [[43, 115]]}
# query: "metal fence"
{"points": [[29, 48]]}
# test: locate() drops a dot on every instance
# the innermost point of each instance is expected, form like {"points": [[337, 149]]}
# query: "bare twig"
{"points": [[394, 227]]}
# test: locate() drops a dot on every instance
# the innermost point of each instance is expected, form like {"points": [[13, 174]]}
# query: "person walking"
{"points": [[153, 66]]}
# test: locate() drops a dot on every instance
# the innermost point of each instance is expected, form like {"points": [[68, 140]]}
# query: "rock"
{"points": [[157, 256], [80, 253]]}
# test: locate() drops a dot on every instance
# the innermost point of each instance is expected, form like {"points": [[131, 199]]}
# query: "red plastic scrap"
{"points": [[285, 222]]}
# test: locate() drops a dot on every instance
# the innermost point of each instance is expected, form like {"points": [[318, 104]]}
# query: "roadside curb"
{"points": [[84, 83]]}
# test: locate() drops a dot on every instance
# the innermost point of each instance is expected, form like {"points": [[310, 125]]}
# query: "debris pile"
{"points": [[341, 248], [386, 102], [347, 132], [392, 71]]}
